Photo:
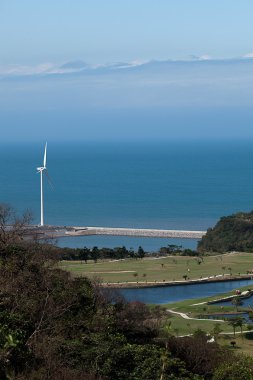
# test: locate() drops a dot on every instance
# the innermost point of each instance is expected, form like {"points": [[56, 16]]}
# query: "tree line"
{"points": [[118, 253], [95, 253]]}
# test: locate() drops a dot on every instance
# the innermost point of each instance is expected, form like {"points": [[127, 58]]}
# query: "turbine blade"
{"points": [[45, 156], [49, 180]]}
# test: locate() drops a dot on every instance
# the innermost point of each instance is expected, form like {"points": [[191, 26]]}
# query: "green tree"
{"points": [[200, 334], [240, 321], [84, 254], [236, 301], [141, 252], [231, 233], [236, 322], [240, 368], [95, 254], [216, 330]]}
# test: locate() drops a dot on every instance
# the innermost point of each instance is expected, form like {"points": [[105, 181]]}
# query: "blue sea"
{"points": [[168, 185]]}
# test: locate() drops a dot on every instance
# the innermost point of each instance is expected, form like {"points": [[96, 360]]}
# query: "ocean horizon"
{"points": [[168, 185]]}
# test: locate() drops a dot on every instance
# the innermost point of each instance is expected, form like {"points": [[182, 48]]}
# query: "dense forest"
{"points": [[231, 233], [53, 326]]}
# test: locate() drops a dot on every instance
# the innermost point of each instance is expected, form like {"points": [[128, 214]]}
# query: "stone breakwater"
{"points": [[63, 231], [138, 232]]}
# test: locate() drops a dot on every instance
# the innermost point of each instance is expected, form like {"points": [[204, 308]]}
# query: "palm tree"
{"points": [[164, 360], [240, 321], [216, 330], [168, 328], [232, 323], [236, 322], [236, 301]]}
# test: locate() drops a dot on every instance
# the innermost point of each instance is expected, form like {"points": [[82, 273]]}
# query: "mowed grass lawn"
{"points": [[161, 269]]}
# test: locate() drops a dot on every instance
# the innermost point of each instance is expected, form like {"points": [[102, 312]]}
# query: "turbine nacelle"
{"points": [[41, 169]]}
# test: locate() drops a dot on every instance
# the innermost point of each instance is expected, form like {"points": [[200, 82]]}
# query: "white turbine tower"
{"points": [[41, 170]]}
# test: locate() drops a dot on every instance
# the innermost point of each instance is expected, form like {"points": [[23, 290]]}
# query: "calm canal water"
{"points": [[170, 294], [246, 302], [245, 316]]}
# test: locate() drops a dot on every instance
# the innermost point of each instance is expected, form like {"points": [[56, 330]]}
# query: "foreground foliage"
{"points": [[56, 327], [53, 326], [241, 369]]}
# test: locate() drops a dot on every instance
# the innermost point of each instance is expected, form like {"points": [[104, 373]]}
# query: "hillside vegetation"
{"points": [[56, 327], [231, 233]]}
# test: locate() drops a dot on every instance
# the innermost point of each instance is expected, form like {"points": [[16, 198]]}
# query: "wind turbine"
{"points": [[41, 170]]}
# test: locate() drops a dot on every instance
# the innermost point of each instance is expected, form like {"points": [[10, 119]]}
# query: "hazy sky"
{"points": [[200, 98], [102, 31]]}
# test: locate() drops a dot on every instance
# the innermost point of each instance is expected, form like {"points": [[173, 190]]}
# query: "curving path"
{"points": [[185, 316]]}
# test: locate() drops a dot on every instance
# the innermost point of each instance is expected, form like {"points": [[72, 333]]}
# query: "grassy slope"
{"points": [[167, 269]]}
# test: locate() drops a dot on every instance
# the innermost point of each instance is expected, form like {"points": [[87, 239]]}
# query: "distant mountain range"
{"points": [[152, 66]]}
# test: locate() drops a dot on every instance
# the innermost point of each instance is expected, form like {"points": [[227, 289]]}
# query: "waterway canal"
{"points": [[170, 294], [245, 302]]}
